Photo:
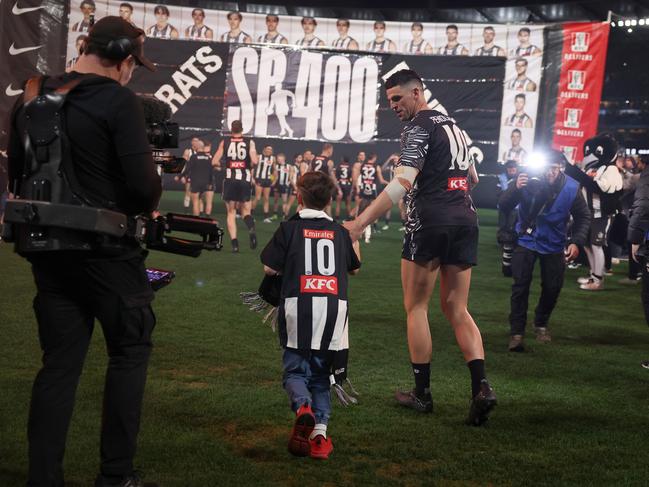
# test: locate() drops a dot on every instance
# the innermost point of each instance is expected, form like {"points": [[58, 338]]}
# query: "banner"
{"points": [[302, 94], [580, 86]]}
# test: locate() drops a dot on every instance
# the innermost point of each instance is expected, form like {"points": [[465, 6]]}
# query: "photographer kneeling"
{"points": [[546, 198], [84, 148]]}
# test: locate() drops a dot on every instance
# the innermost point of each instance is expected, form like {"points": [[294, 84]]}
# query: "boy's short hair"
{"points": [[316, 189]]}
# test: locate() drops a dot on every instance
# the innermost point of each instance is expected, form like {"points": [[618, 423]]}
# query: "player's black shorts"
{"points": [[284, 188], [263, 183], [346, 189], [236, 190], [451, 244], [598, 231], [200, 186]]}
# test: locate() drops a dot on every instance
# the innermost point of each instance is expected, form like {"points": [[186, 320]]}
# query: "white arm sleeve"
{"points": [[396, 189]]}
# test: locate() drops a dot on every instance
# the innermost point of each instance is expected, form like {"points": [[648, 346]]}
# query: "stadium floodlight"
{"points": [[629, 30], [634, 22], [627, 23], [641, 21], [612, 24]]}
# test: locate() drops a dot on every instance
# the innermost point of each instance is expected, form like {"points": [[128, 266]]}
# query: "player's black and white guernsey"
{"points": [[525, 51], [491, 51], [164, 33], [284, 178], [320, 163], [417, 49], [239, 38], [520, 84], [451, 51], [264, 171], [437, 147], [367, 181], [276, 39], [516, 120], [315, 256], [194, 32], [342, 43], [344, 177], [81, 26], [382, 46], [237, 157], [309, 43], [517, 154]]}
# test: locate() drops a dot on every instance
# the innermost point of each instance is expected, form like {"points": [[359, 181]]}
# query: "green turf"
{"points": [[575, 412]]}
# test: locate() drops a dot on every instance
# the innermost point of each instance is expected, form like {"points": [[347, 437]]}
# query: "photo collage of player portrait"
{"points": [[521, 44]]}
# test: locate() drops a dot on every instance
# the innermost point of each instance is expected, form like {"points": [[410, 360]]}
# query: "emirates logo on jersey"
{"points": [[457, 184], [319, 284], [328, 234]]}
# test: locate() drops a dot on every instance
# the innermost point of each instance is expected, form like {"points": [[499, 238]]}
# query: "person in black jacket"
{"points": [[637, 236], [112, 161], [544, 210]]}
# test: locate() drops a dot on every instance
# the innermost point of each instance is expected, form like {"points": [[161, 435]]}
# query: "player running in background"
{"points": [[370, 176], [263, 178], [344, 177]]}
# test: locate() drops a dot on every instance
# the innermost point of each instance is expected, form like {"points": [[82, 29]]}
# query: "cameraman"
{"points": [[506, 235], [112, 161], [545, 204]]}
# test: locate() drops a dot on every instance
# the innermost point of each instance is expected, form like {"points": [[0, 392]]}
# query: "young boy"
{"points": [[314, 255]]}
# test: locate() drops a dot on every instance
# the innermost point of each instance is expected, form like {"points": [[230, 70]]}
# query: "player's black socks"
{"points": [[422, 377], [250, 222], [235, 245], [476, 367]]}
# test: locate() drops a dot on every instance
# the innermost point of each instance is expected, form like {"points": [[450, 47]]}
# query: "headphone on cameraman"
{"points": [[119, 49]]}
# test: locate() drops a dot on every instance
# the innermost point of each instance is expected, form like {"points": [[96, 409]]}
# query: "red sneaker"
{"points": [[321, 447], [298, 443]]}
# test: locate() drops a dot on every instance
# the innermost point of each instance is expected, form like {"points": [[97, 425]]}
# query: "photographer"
{"points": [[110, 159], [546, 199], [506, 235]]}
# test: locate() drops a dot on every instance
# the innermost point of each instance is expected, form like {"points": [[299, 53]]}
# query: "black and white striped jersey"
{"points": [[276, 39], [164, 33], [367, 180], [520, 84], [320, 163], [81, 26], [309, 43], [314, 255], [517, 154], [344, 173], [382, 46], [194, 32], [516, 120], [237, 157], [451, 51], [418, 49], [264, 168], [521, 51], [433, 143], [488, 51], [240, 37], [342, 42], [283, 175]]}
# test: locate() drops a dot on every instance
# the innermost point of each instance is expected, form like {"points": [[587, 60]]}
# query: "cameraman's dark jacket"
{"points": [[639, 221], [550, 226], [110, 152]]}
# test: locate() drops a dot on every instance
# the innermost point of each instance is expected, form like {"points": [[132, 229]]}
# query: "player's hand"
{"points": [[521, 180], [355, 230], [634, 252], [572, 252]]}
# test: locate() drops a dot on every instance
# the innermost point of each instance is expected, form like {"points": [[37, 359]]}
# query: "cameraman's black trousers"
{"points": [[645, 287], [552, 270], [71, 293]]}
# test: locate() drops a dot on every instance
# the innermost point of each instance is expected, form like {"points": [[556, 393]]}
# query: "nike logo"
{"points": [[14, 52], [16, 10], [11, 92]]}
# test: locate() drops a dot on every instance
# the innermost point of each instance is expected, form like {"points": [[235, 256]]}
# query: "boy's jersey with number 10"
{"points": [[314, 255], [434, 144], [237, 156]]}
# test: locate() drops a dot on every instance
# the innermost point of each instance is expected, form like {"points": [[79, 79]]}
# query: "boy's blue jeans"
{"points": [[306, 380]]}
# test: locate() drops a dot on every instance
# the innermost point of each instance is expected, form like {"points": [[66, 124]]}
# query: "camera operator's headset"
{"points": [[120, 48]]}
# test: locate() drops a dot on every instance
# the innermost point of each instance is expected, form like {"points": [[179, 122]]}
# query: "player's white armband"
{"points": [[396, 189]]}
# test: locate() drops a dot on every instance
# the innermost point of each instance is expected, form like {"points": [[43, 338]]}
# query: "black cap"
{"points": [[113, 28]]}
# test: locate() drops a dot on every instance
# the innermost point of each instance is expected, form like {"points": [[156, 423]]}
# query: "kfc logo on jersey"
{"points": [[328, 234], [580, 41], [572, 117], [238, 165], [319, 284], [569, 151], [577, 80], [457, 184]]}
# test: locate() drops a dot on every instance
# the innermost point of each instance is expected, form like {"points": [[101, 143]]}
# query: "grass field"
{"points": [[574, 412]]}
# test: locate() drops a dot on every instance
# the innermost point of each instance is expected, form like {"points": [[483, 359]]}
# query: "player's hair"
{"points": [[451, 26], [524, 29], [234, 12], [520, 95], [326, 146], [417, 24], [372, 156], [91, 3], [236, 127], [379, 22], [489, 28], [198, 10], [343, 21], [510, 163], [304, 19], [521, 59], [161, 9], [127, 5], [515, 131], [272, 16], [281, 154], [316, 189], [402, 77]]}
